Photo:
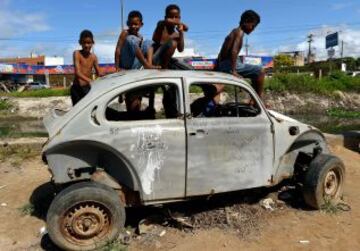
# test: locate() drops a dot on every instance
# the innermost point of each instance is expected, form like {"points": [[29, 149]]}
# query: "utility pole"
{"points": [[342, 49], [310, 40], [246, 47], [122, 14]]}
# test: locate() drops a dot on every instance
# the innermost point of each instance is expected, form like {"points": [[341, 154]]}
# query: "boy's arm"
{"points": [[158, 32], [235, 51], [181, 44], [119, 45], [78, 72], [97, 68], [177, 22]]}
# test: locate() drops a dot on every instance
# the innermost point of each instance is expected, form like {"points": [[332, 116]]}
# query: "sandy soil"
{"points": [[287, 229]]}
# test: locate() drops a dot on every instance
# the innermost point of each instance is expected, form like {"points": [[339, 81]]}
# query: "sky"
{"points": [[52, 27]]}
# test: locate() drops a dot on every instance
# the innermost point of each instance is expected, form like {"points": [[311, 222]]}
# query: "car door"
{"points": [[154, 146], [227, 152]]}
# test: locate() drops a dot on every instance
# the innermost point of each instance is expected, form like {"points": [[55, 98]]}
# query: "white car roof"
{"points": [[105, 84], [111, 81]]}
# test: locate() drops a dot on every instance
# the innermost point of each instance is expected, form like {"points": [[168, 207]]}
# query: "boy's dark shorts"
{"points": [[244, 70], [77, 92]]}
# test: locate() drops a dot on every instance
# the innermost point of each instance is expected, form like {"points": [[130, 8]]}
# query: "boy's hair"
{"points": [[250, 16], [86, 34], [170, 8], [135, 13]]}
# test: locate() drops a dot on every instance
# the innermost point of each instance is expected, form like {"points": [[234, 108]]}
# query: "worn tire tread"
{"points": [[316, 172], [91, 191]]}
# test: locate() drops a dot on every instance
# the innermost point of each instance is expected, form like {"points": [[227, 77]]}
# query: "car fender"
{"points": [[307, 142], [78, 160]]}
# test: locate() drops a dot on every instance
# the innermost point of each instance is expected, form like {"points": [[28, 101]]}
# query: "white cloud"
{"points": [[350, 36], [14, 23], [105, 51], [341, 6]]}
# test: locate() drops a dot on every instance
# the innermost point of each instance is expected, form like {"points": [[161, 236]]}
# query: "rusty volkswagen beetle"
{"points": [[152, 137]]}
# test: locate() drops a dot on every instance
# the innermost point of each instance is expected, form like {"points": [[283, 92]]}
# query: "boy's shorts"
{"points": [[77, 92], [244, 70], [128, 58]]}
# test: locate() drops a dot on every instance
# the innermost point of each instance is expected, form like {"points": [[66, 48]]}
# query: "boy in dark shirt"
{"points": [[228, 60], [168, 36], [84, 62], [131, 48]]}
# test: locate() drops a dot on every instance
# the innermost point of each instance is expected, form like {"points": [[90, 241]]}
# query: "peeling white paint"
{"points": [[149, 149]]}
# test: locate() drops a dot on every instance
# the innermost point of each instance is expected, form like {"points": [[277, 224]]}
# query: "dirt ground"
{"points": [[24, 199]]}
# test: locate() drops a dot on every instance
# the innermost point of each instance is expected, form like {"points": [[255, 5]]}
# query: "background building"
{"points": [[34, 60]]}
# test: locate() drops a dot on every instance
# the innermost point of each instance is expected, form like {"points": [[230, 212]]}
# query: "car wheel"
{"points": [[324, 181], [85, 216]]}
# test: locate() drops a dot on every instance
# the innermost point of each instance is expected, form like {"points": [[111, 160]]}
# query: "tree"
{"points": [[283, 60], [358, 63]]}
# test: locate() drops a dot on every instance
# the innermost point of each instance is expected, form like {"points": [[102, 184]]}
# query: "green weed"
{"points": [[27, 209], [304, 83], [341, 113], [114, 246], [39, 93], [17, 154], [332, 208], [5, 105]]}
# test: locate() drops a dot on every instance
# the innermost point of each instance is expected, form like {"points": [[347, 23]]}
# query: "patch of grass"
{"points": [[335, 129], [39, 93], [195, 89], [331, 208], [27, 209], [304, 83], [17, 154], [114, 246], [6, 132], [5, 105], [341, 113]]}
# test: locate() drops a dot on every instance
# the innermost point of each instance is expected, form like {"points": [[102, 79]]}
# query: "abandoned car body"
{"points": [[115, 155]]}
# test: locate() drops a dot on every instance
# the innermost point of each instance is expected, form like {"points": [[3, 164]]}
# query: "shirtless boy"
{"points": [[168, 36], [84, 62], [228, 60], [131, 49]]}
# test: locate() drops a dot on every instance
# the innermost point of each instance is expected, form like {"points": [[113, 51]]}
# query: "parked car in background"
{"points": [[37, 86], [153, 137]]}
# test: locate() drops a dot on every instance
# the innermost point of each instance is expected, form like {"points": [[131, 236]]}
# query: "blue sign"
{"points": [[332, 40]]}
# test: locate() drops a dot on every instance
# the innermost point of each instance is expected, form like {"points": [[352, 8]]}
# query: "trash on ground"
{"points": [[43, 231], [125, 237], [146, 226], [268, 204]]}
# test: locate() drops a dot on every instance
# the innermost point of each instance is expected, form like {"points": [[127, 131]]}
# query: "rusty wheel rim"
{"points": [[332, 183], [86, 223]]}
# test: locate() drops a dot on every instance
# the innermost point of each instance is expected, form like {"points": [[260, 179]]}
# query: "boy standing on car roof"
{"points": [[228, 60], [84, 62], [168, 36], [131, 48]]}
